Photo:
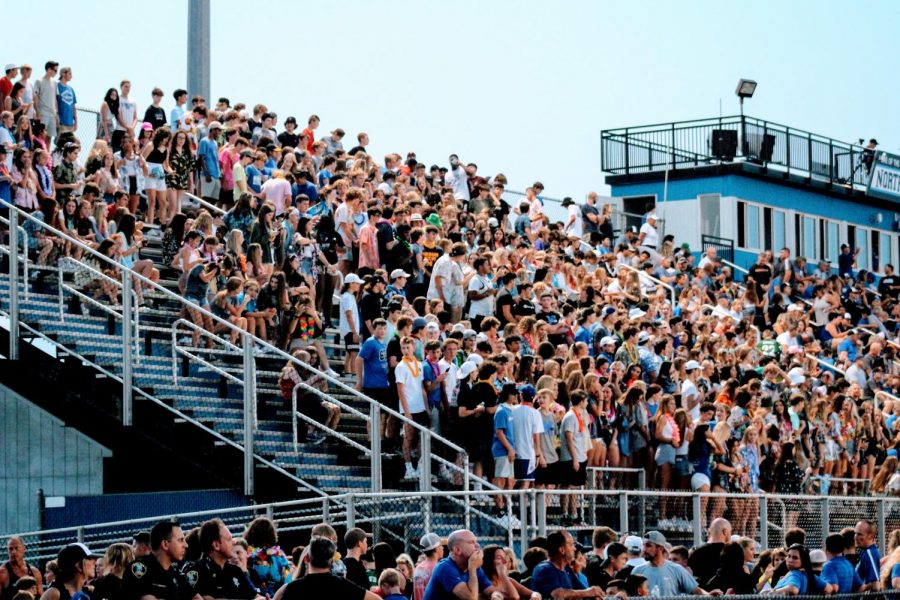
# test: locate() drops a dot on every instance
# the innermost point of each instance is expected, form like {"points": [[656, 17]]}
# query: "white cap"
{"points": [[466, 369], [651, 216], [398, 273], [691, 365], [633, 544], [481, 337], [793, 307], [458, 327], [352, 278], [608, 340], [847, 316], [430, 541], [796, 376], [214, 125], [432, 327], [476, 359], [636, 313], [492, 222], [817, 557], [10, 66], [643, 337], [469, 333]]}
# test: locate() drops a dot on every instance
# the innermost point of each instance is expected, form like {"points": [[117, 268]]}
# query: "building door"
{"points": [[710, 219]]}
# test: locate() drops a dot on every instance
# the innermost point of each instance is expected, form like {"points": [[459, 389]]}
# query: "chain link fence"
{"points": [[88, 131]]}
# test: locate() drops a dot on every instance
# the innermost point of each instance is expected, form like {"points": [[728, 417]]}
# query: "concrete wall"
{"points": [[37, 451]]}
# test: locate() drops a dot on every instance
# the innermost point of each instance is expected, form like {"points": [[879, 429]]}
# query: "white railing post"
{"points": [[425, 460], [14, 285], [826, 522], [763, 522], [375, 455], [697, 521], [540, 507], [294, 414], [127, 350], [623, 512], [249, 409], [882, 536], [351, 512]]}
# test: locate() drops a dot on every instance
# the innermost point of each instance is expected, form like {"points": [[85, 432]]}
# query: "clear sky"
{"points": [[520, 87]]}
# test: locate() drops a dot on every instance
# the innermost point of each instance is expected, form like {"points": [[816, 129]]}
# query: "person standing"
{"points": [[868, 564], [6, 84], [210, 173], [126, 118], [433, 549], [574, 223], [156, 114], [45, 105], [15, 568], [176, 116], [319, 581], [481, 293], [447, 281], [410, 378], [357, 543], [65, 102]]}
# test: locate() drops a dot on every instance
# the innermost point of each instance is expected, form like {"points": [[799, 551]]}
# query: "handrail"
{"points": [[171, 409], [734, 266], [212, 207], [653, 279], [826, 365], [295, 413], [24, 235], [180, 350], [867, 332], [277, 352]]}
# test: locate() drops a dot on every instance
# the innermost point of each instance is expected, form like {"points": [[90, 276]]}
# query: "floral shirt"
{"points": [[271, 567]]}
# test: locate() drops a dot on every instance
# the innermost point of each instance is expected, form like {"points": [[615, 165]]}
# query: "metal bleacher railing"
{"points": [[406, 516], [242, 372]]}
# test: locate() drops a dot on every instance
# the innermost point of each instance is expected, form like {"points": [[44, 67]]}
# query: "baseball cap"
{"points": [[419, 323], [636, 313], [655, 537], [434, 219], [633, 544], [457, 252], [691, 365], [432, 327], [290, 120], [214, 125], [528, 392], [466, 369], [796, 376], [74, 553], [817, 557], [608, 310], [608, 340], [352, 278], [430, 541], [147, 126], [10, 66], [469, 333], [398, 273], [643, 337]]}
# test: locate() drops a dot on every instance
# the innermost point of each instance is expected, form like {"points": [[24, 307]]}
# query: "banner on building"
{"points": [[884, 180]]}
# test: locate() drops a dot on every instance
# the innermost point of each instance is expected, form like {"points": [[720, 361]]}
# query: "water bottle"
{"points": [[655, 592]]}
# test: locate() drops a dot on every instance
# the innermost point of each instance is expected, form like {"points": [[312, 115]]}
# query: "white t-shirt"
{"points": [[570, 424], [450, 380], [689, 391], [412, 385], [576, 227], [452, 278], [458, 179], [45, 90], [127, 112], [485, 306], [651, 236], [279, 192], [348, 303], [526, 421], [341, 216]]}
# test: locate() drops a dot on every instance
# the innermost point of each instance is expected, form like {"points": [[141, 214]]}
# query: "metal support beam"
{"points": [[249, 411], [375, 455], [14, 286], [425, 461], [127, 350], [198, 45]]}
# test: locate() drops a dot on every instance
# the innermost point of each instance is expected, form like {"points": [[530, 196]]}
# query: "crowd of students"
{"points": [[209, 563], [542, 347]]}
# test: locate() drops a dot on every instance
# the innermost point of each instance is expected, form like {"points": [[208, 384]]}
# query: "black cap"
{"points": [[141, 537], [457, 252], [290, 120], [567, 202], [72, 554]]}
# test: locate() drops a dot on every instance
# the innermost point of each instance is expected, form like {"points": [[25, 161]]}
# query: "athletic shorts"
{"points": [[503, 469], [422, 418], [520, 469], [571, 477], [349, 344], [210, 190], [549, 475], [698, 480], [383, 396]]}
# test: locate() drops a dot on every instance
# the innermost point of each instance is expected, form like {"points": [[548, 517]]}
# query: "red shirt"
{"points": [[6, 87]]}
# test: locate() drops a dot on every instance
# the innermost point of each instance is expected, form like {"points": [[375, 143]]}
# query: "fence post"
{"points": [[127, 369], [351, 512], [642, 515], [697, 521], [326, 508], [881, 523], [270, 512], [623, 512], [826, 526], [467, 517], [249, 405], [524, 521], [541, 510], [79, 535], [14, 285], [425, 460], [375, 455], [764, 522]]}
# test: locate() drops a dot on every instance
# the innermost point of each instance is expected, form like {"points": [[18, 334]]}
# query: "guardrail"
{"points": [[654, 280], [249, 342]]}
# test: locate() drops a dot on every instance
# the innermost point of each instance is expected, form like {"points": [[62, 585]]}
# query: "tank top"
{"points": [[10, 590], [157, 156]]}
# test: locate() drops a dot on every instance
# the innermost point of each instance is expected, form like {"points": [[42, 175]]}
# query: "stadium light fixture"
{"points": [[745, 89]]}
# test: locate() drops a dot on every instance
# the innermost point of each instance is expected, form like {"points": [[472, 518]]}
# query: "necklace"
{"points": [[413, 366]]}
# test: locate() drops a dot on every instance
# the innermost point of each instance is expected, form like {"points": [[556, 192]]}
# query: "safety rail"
{"points": [[295, 414], [408, 515], [654, 280], [216, 210], [181, 350], [249, 342], [24, 259], [734, 266]]}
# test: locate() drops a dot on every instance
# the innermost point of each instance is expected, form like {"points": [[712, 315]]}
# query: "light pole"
{"points": [[745, 89]]}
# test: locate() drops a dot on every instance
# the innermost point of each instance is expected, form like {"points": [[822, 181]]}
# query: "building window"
{"points": [[779, 240], [753, 226], [862, 242], [832, 241], [885, 255], [808, 237]]}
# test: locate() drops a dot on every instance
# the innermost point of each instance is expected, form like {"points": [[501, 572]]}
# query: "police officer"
{"points": [[216, 576], [154, 576]]}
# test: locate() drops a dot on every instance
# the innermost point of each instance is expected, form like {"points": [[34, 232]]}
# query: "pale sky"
{"points": [[519, 87]]}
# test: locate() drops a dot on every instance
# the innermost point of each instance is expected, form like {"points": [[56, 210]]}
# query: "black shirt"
{"points": [[504, 298], [356, 572], [108, 587], [222, 582], [369, 310], [552, 318], [288, 139], [524, 308], [323, 586], [146, 577], [588, 225], [705, 560], [156, 116]]}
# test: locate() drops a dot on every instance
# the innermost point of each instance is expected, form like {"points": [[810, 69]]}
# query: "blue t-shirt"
{"points": [[839, 571], [502, 420], [799, 579], [254, 178], [849, 347], [430, 374], [547, 578], [895, 572], [65, 104], [308, 189], [868, 566], [375, 365], [209, 153], [446, 576]]}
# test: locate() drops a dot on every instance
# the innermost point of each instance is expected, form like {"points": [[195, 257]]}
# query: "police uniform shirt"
{"points": [[227, 581], [146, 577]]}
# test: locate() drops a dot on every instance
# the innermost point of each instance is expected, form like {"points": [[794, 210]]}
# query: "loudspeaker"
{"points": [[723, 143], [768, 147]]}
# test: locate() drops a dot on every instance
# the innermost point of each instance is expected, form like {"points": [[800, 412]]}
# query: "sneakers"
{"points": [[445, 473], [411, 474]]}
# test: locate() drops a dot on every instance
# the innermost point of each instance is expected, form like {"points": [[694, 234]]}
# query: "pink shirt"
{"points": [[227, 158], [421, 577], [368, 246], [277, 191]]}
